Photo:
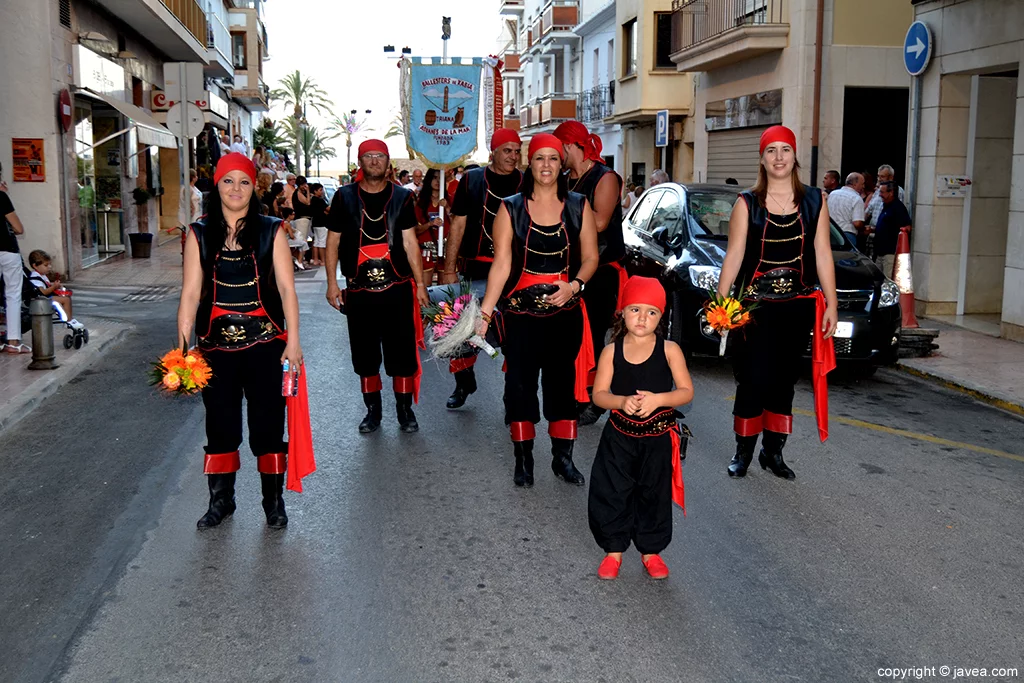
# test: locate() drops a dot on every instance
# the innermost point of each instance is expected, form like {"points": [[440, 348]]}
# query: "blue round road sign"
{"points": [[917, 48]]}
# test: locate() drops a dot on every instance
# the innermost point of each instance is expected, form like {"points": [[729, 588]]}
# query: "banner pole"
{"points": [[441, 185]]}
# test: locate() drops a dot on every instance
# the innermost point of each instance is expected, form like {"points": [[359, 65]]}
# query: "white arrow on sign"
{"points": [[917, 48]]}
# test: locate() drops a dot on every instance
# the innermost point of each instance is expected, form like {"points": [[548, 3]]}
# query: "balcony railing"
{"points": [[553, 107], [695, 21], [512, 64], [218, 37], [560, 15], [508, 6], [191, 16], [597, 104]]}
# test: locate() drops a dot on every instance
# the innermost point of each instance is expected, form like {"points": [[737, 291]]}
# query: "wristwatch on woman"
{"points": [[582, 284]]}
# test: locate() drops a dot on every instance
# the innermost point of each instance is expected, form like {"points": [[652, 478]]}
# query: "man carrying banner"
{"points": [[372, 233], [602, 187], [476, 202]]}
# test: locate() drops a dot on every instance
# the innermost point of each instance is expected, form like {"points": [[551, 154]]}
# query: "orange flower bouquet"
{"points": [[181, 372], [725, 313]]}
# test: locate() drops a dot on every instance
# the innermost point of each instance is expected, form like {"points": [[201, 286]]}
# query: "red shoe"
{"points": [[656, 567], [609, 568]]}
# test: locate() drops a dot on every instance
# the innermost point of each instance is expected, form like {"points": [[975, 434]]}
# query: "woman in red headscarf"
{"points": [[238, 293], [545, 250], [637, 474], [780, 256]]}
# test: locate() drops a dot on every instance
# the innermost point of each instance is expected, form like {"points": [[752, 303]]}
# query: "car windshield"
{"points": [[710, 211]]}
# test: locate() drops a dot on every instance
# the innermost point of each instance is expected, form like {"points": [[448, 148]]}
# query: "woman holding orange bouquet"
{"points": [[780, 254], [238, 294]]}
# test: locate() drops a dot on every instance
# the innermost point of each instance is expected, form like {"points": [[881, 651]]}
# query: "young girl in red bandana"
{"points": [[637, 473]]}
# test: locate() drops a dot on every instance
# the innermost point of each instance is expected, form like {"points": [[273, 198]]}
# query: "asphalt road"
{"points": [[413, 558]]}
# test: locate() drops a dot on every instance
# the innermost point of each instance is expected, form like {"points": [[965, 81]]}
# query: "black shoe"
{"points": [[465, 384], [589, 415], [273, 503], [373, 417], [524, 463], [745, 446], [770, 457], [222, 500], [406, 418], [561, 462]]}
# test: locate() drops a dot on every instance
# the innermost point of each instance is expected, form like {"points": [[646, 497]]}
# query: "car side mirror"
{"points": [[668, 242]]}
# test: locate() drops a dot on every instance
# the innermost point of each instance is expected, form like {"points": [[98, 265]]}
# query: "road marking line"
{"points": [[939, 441]]}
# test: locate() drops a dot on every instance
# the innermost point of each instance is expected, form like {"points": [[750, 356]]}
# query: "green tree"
{"points": [[296, 92]]}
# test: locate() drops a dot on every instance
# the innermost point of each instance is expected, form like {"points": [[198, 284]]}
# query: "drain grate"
{"points": [[146, 294]]}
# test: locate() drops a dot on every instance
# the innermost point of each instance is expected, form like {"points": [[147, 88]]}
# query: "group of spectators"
{"points": [[870, 212]]}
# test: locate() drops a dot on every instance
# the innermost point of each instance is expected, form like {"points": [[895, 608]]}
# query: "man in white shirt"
{"points": [[846, 206], [239, 146], [417, 182], [886, 174]]}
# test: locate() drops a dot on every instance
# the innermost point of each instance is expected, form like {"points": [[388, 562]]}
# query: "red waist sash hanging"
{"points": [[623, 276], [301, 462], [823, 361]]}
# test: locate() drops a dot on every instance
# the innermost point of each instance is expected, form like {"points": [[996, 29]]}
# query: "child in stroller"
{"points": [[59, 296]]}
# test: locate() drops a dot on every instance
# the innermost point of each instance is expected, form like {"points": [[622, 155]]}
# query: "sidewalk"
{"points": [[162, 268], [988, 367], [25, 389]]}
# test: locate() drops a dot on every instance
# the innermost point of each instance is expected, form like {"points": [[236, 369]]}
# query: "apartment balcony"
{"points": [[513, 123], [513, 67], [553, 108], [177, 28], [512, 7], [533, 35], [707, 34], [250, 90], [597, 104], [218, 45], [558, 20]]}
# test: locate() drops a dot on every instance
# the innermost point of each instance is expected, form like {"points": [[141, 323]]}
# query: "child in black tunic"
{"points": [[636, 474]]}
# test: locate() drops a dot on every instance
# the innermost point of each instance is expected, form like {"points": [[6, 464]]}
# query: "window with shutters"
{"points": [[65, 13]]}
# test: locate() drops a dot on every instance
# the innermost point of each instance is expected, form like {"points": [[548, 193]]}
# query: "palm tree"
{"points": [[320, 151], [297, 92], [268, 136], [347, 125]]}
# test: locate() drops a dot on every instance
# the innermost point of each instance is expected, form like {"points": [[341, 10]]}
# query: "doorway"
{"points": [[869, 139]]}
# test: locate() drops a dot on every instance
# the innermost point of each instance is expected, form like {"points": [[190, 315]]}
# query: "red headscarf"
{"points": [[373, 145], [234, 162], [643, 290], [575, 133], [778, 134], [543, 140], [503, 136]]}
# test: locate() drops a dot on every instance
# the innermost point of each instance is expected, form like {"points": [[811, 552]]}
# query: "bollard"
{"points": [[43, 357]]}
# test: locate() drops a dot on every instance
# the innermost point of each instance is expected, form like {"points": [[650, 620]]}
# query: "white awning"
{"points": [[150, 131]]}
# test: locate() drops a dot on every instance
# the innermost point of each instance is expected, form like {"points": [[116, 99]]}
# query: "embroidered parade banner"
{"points": [[442, 112]]}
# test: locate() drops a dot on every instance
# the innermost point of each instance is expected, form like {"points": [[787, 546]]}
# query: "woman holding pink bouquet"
{"points": [[780, 254], [238, 294], [545, 250]]}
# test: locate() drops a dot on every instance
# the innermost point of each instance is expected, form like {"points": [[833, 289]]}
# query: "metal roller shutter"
{"points": [[734, 154]]}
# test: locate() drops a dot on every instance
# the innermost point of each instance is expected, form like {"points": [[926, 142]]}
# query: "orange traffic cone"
{"points": [[904, 279]]}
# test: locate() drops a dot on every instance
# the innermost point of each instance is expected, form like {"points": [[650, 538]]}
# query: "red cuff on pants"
{"points": [[271, 463], [780, 424], [522, 431], [747, 426], [562, 429], [370, 384], [460, 364], [404, 385], [221, 463]]}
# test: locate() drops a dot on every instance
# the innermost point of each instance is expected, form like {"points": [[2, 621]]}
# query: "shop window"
{"points": [[629, 40], [663, 40]]}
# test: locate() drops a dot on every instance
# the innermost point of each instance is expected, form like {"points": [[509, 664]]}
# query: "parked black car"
{"points": [[678, 233]]}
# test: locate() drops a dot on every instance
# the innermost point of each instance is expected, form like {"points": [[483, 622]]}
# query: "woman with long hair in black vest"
{"points": [[238, 293]]}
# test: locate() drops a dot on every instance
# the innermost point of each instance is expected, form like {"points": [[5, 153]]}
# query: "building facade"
{"points": [[968, 250], [755, 65]]}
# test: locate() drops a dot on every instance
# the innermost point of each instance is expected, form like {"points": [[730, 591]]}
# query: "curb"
{"points": [[973, 392], [30, 399]]}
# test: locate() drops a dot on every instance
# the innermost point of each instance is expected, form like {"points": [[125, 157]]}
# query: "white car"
{"points": [[330, 186]]}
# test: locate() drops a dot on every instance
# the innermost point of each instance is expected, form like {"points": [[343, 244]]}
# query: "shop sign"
{"points": [[952, 186], [758, 109], [161, 101], [97, 73], [27, 155]]}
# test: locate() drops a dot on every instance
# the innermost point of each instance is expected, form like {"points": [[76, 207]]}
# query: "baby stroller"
{"points": [[77, 334]]}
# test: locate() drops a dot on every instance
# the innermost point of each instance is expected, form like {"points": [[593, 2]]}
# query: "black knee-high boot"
{"points": [[406, 418], [561, 461], [273, 502], [373, 417], [770, 457], [524, 463], [745, 446], [465, 384], [222, 500]]}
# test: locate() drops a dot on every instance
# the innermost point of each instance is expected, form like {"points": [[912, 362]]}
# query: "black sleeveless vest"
{"points": [[572, 216], [477, 218], [270, 298], [349, 208], [810, 210], [610, 245]]}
